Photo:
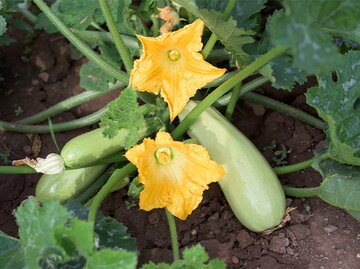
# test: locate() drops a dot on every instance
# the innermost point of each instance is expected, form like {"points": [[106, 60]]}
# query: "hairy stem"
{"points": [[119, 42], [68, 104], [58, 127], [224, 88], [233, 100], [17, 170], [294, 167], [301, 192], [213, 38], [284, 108], [81, 46], [173, 235], [115, 178]]}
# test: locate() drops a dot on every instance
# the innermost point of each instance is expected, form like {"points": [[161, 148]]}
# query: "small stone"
{"points": [[44, 76], [358, 255], [290, 251], [35, 82], [193, 232], [27, 150], [214, 216], [330, 229], [301, 231], [340, 262], [347, 232], [154, 218], [244, 239], [234, 260], [278, 244], [322, 267]]}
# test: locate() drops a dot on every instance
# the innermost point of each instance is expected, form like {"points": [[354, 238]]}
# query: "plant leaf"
{"points": [[336, 103], [11, 254], [125, 112], [2, 25], [93, 78], [227, 32], [111, 259], [306, 26], [341, 184]]}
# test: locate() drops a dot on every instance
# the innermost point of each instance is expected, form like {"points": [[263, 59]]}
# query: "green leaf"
{"points": [[93, 78], [11, 255], [335, 102], [135, 188], [2, 25], [113, 234], [195, 257], [306, 26], [341, 184], [227, 32], [125, 112], [111, 259], [38, 240], [355, 214], [42, 22], [243, 11], [77, 13]]}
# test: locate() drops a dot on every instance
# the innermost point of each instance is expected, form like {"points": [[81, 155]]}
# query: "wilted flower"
{"points": [[52, 164]]}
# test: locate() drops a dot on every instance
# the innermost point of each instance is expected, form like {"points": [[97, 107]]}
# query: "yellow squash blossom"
{"points": [[172, 65], [174, 174]]}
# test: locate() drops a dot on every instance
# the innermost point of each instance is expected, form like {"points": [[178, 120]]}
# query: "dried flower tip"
{"points": [[170, 17], [52, 164]]}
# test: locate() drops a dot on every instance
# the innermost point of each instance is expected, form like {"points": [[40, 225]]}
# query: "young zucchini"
{"points": [[250, 186], [66, 184], [87, 148]]}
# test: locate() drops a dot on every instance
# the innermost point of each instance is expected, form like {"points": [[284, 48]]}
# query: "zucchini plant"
{"points": [[141, 133]]}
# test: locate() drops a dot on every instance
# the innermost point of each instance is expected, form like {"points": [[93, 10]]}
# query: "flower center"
{"points": [[173, 55], [163, 155]]}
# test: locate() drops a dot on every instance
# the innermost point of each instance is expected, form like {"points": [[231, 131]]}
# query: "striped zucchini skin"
{"points": [[87, 148], [250, 186], [66, 184]]}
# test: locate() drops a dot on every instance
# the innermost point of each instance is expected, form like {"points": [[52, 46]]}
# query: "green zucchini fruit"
{"points": [[67, 184], [250, 186], [84, 150]]}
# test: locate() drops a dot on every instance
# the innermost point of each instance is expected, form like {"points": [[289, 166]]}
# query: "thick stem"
{"points": [[119, 42], [58, 127], [17, 170], [233, 100], [284, 108], [113, 181], [89, 53], [248, 87], [294, 167], [301, 192], [224, 88], [68, 104], [173, 235], [213, 38]]}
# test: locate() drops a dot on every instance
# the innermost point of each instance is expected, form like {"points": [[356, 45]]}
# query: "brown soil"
{"points": [[317, 236]]}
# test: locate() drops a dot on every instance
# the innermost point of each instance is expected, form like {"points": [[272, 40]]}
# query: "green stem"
{"points": [[213, 38], [173, 235], [68, 104], [224, 88], [58, 127], [250, 86], [294, 167], [97, 37], [209, 45], [17, 170], [116, 177], [119, 42], [284, 108], [155, 26], [27, 14], [90, 54], [93, 189], [301, 192], [233, 100]]}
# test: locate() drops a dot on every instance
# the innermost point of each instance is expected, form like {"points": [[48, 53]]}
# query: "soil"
{"points": [[317, 236]]}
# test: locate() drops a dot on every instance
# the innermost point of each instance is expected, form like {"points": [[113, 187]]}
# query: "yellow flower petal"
{"points": [[174, 174], [172, 65]]}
